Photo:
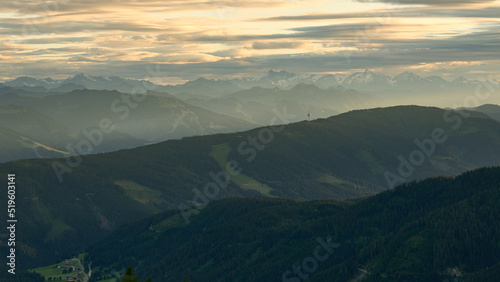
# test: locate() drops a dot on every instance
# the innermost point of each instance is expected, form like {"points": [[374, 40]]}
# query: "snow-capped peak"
{"points": [[407, 76], [83, 76]]}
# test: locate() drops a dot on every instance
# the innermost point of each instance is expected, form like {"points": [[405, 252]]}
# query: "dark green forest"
{"points": [[440, 228], [342, 157]]}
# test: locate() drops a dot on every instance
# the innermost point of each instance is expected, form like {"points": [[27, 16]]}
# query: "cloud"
{"points": [[70, 27], [431, 2], [330, 32], [204, 38], [234, 53], [277, 45], [337, 31], [37, 7], [57, 40], [485, 13]]}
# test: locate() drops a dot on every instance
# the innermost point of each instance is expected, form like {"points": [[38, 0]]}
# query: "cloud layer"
{"points": [[188, 39]]}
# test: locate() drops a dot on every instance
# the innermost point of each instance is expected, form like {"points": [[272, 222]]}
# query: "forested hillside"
{"points": [[436, 229], [70, 203]]}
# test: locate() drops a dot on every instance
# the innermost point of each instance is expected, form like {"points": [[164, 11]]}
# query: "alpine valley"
{"points": [[275, 177]]}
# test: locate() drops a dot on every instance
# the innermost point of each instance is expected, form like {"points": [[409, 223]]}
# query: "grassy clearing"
{"points": [[138, 192], [52, 271], [220, 153], [331, 180], [29, 143], [345, 187], [49, 271], [57, 225], [57, 228], [81, 256], [372, 162], [171, 222]]}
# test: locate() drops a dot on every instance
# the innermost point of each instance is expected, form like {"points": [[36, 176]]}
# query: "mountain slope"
{"points": [[365, 145], [257, 104], [28, 134], [36, 135], [34, 125], [150, 117], [441, 228], [491, 110], [72, 202], [15, 147], [133, 121]]}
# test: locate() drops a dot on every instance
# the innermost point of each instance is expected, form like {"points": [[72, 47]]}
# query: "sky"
{"points": [[183, 40]]}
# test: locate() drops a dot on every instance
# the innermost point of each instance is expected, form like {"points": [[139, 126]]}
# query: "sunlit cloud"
{"points": [[431, 2], [224, 38]]}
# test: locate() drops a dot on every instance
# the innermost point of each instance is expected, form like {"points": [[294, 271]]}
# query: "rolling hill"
{"points": [[15, 147], [70, 203], [257, 104], [67, 119], [149, 117], [35, 125], [27, 134], [437, 229], [35, 135], [491, 110]]}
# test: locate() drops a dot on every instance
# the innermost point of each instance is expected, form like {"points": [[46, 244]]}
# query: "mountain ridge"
{"points": [[154, 117], [340, 157], [285, 80], [432, 230]]}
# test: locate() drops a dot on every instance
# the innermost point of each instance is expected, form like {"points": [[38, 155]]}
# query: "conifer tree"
{"points": [[129, 276]]}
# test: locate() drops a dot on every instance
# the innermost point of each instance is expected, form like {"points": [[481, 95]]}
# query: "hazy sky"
{"points": [[188, 39]]}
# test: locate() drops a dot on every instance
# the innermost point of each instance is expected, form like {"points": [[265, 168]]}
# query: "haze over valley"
{"points": [[71, 110]]}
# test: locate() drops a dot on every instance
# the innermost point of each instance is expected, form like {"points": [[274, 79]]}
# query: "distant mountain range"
{"points": [[209, 88], [206, 106], [77, 82]]}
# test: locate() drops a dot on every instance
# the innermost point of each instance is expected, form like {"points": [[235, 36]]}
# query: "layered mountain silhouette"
{"points": [[63, 120], [70, 203], [207, 106], [491, 110], [366, 81]]}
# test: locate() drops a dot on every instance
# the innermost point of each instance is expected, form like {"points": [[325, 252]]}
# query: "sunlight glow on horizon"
{"points": [[240, 35]]}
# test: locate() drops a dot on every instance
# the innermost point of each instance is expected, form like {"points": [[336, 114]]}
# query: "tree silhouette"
{"points": [[129, 276]]}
